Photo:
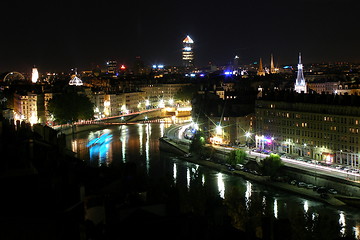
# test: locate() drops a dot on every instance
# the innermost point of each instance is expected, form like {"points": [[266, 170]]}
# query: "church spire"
{"points": [[260, 71], [272, 68], [300, 83]]}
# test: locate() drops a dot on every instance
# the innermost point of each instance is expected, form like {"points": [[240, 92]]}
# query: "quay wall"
{"points": [[344, 187]]}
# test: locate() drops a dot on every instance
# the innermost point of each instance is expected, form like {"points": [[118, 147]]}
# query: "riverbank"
{"points": [[265, 180]]}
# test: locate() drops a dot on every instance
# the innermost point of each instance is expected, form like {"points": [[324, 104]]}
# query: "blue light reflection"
{"points": [[99, 148]]}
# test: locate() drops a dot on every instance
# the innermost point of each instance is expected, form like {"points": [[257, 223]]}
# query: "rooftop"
{"points": [[311, 98]]}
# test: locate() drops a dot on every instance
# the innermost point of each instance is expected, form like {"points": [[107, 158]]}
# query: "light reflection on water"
{"points": [[139, 143], [147, 146], [221, 185], [342, 223], [123, 140], [248, 194], [276, 211], [100, 148]]}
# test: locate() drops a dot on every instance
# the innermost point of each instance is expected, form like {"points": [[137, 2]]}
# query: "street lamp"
{"points": [[147, 103], [218, 130], [161, 104], [247, 135]]}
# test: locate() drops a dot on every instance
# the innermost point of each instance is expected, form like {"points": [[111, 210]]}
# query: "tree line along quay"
{"points": [[269, 170]]}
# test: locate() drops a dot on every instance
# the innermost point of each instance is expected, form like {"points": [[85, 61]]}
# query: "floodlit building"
{"points": [[231, 130], [154, 92], [107, 104], [324, 87], [75, 81], [187, 52], [32, 107], [318, 126], [34, 75], [25, 107]]}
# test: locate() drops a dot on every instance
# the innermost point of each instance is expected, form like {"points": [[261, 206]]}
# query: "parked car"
{"points": [[293, 182], [239, 166], [301, 184], [230, 168], [310, 186], [332, 191]]}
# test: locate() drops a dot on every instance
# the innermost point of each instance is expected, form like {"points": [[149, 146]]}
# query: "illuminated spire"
{"points": [[260, 71], [300, 83], [188, 40], [272, 68]]}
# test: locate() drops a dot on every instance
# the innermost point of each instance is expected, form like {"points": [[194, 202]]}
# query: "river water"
{"points": [[246, 202]]}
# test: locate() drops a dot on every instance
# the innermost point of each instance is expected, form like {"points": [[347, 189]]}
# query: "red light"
{"points": [[123, 67]]}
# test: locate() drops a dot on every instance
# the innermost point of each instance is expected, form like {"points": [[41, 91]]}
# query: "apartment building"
{"points": [[26, 106], [322, 127]]}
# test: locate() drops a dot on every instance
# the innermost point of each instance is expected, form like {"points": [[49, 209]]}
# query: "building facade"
{"points": [[315, 126], [324, 87], [231, 130], [26, 107], [107, 104], [153, 93]]}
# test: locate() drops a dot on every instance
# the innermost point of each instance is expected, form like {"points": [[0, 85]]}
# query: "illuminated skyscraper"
{"points": [[111, 66], [187, 52], [34, 75], [300, 84]]}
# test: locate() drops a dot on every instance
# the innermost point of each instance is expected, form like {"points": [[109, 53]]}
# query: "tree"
{"points": [[236, 157], [71, 107], [185, 93], [208, 152], [198, 143], [271, 165]]}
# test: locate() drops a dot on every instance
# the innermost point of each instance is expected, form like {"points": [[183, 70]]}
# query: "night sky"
{"points": [[56, 36]]}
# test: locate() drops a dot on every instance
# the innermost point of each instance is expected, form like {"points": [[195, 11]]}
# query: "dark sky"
{"points": [[55, 35]]}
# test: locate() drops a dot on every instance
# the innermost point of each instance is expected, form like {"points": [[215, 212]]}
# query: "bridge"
{"points": [[133, 117], [130, 118]]}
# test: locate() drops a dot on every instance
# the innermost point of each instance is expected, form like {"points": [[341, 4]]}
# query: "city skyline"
{"points": [[57, 37]]}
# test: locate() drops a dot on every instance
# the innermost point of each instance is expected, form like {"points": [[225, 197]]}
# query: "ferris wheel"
{"points": [[13, 77]]}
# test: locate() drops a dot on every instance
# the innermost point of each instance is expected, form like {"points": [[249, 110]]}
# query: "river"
{"points": [[246, 202]]}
